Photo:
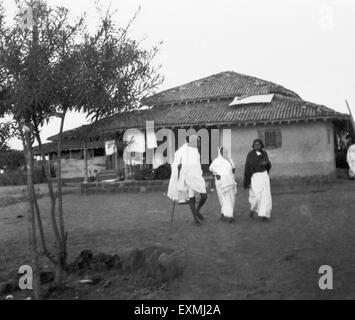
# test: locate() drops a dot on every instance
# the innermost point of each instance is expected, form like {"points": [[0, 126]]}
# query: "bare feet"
{"points": [[227, 219], [200, 216], [197, 222]]}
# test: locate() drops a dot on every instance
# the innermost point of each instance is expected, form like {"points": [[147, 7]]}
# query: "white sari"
{"points": [[260, 194], [226, 186]]}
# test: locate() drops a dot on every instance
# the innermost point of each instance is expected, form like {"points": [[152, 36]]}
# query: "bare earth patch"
{"points": [[310, 227], [15, 194]]}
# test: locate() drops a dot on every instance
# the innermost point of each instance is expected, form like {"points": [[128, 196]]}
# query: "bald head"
{"points": [[193, 141]]}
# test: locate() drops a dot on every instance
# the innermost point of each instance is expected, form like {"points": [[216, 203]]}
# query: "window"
{"points": [[271, 138]]}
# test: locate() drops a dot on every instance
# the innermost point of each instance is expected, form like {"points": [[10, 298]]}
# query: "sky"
{"points": [[305, 46]]}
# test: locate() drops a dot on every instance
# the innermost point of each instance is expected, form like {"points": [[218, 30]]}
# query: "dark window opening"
{"points": [[99, 152], [271, 138]]}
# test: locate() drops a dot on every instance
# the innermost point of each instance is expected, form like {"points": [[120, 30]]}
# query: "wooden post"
{"points": [[116, 156], [352, 120], [49, 164], [351, 115], [85, 163]]}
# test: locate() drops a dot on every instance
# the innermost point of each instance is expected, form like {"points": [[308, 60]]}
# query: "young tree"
{"points": [[50, 66], [17, 101], [65, 72], [28, 56], [100, 75]]}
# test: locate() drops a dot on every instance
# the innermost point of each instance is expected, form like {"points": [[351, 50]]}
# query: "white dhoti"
{"points": [[190, 180], [173, 192], [260, 194]]}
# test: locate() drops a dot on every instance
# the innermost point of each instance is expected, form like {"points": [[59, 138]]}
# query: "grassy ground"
{"points": [[311, 226]]}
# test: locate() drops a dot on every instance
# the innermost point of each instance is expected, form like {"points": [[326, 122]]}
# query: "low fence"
{"points": [[133, 186]]}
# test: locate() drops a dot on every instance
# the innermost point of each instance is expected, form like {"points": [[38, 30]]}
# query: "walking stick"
{"points": [[172, 212]]}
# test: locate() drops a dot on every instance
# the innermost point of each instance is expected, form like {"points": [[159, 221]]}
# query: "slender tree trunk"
{"points": [[60, 260], [51, 194], [85, 163], [45, 250], [58, 239], [37, 211], [62, 253], [31, 216], [59, 180]]}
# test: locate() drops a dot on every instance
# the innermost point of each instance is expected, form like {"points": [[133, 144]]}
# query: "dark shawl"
{"points": [[255, 163]]}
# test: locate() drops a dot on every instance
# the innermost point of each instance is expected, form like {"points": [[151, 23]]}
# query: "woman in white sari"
{"points": [[223, 170], [256, 179]]}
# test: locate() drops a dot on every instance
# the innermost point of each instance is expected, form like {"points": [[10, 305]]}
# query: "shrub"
{"points": [[11, 159], [18, 177]]}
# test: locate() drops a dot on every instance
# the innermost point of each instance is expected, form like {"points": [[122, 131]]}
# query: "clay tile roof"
{"points": [[206, 102], [219, 112], [281, 109], [224, 84]]}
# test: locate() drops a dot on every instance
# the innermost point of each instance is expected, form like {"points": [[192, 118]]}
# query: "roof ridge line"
{"points": [[190, 82]]}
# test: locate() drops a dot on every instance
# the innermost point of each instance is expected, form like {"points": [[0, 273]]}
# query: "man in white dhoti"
{"points": [[173, 192], [186, 178], [350, 158], [223, 170], [256, 179]]}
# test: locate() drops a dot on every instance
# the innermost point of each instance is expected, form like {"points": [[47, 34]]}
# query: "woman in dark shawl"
{"points": [[256, 179]]}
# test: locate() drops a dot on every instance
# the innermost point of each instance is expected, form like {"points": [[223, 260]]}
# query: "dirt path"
{"points": [[310, 227]]}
